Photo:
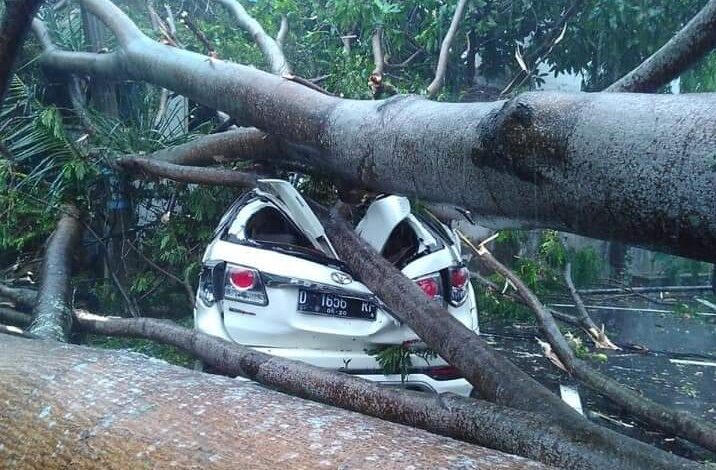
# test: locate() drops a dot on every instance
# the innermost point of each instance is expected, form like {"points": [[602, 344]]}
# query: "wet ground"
{"points": [[669, 358]]}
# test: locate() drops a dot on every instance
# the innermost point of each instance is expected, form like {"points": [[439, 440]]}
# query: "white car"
{"points": [[271, 280]]}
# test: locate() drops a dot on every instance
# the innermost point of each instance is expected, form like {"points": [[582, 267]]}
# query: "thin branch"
{"points": [[187, 174], [269, 47], [282, 32], [596, 334], [182, 282], [673, 421], [680, 53], [200, 35], [437, 84]]}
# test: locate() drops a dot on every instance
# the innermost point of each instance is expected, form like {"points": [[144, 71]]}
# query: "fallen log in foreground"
{"points": [[68, 406]]}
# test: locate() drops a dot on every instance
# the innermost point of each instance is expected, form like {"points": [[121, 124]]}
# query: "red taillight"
{"points": [[244, 284], [443, 373], [242, 279], [459, 277], [430, 287], [459, 281]]}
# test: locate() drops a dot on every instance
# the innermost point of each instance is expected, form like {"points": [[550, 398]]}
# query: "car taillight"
{"points": [[431, 285], [244, 285], [443, 373], [211, 282], [459, 281]]}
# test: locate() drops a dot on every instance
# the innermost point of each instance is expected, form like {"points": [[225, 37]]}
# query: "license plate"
{"points": [[322, 303]]}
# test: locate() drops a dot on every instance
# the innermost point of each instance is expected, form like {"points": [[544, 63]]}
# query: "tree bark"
{"points": [[541, 159], [14, 26], [496, 378], [473, 421], [53, 310], [677, 422], [680, 53], [68, 406]]}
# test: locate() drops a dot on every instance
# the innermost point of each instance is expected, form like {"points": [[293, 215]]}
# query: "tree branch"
{"points": [[14, 25], [677, 422], [269, 47], [441, 69], [680, 53], [282, 32], [13, 317], [22, 297], [188, 174], [585, 321], [496, 378], [53, 314]]}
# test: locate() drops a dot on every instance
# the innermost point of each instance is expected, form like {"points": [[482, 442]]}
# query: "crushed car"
{"points": [[271, 280]]}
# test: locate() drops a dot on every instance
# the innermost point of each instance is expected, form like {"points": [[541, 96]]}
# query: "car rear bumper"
{"points": [[355, 362]]}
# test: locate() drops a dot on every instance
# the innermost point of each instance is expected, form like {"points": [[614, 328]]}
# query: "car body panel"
{"points": [[323, 340]]}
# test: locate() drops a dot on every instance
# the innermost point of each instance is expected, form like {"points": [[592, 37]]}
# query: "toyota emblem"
{"points": [[341, 278]]}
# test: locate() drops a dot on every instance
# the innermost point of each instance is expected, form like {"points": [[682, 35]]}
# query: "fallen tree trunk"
{"points": [[536, 160], [495, 378], [53, 310], [680, 423], [475, 421], [73, 407]]}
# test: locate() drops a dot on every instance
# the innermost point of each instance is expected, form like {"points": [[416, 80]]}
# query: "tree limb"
{"points": [[53, 310], [21, 296], [474, 421], [10, 316], [188, 174], [441, 69], [677, 422], [282, 32], [585, 321], [269, 47], [680, 53], [14, 25], [495, 378]]}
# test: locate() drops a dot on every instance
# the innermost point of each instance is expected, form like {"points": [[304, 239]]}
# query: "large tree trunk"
{"points": [[16, 21], [565, 161], [74, 407]]}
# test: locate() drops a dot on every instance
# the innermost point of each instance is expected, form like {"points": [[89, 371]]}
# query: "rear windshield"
{"points": [[403, 245]]}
